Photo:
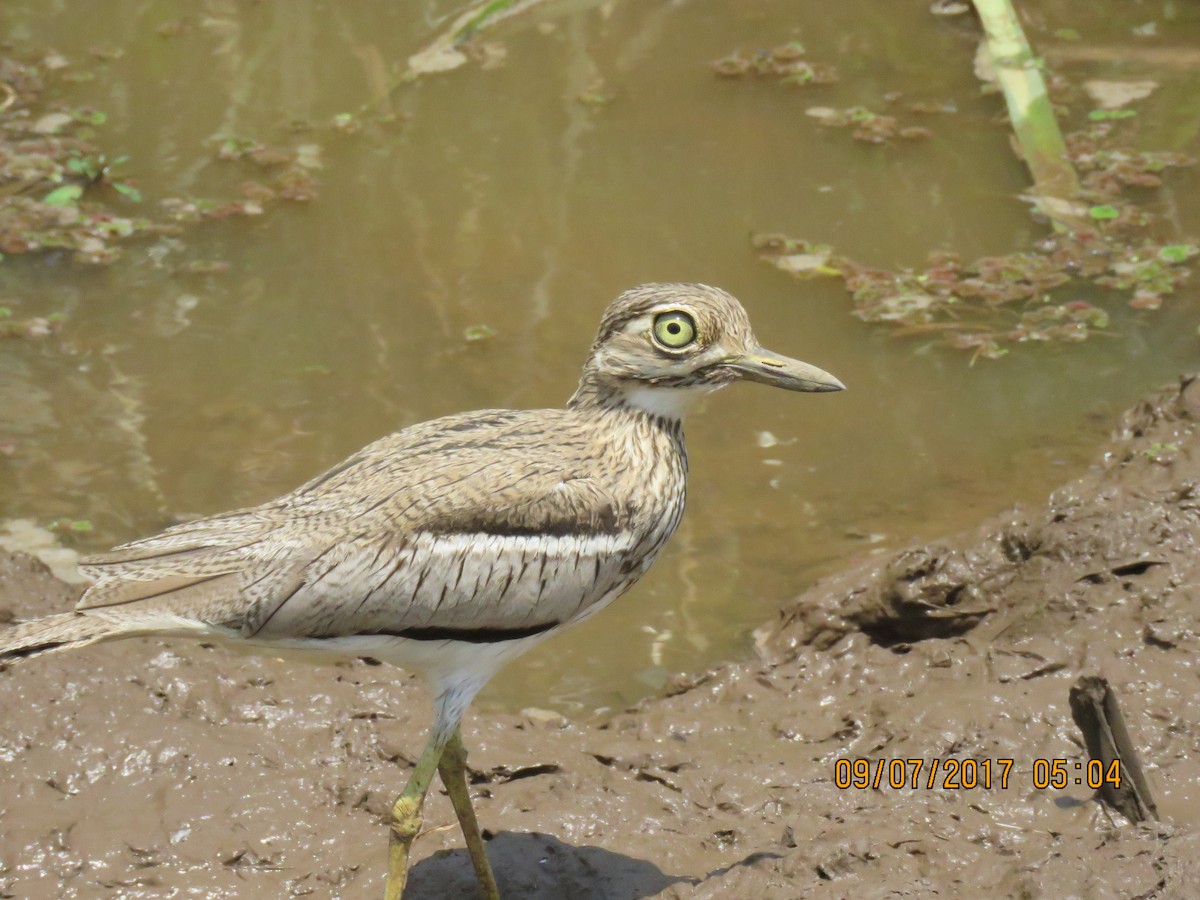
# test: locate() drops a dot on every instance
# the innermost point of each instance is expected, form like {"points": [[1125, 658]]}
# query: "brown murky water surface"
{"points": [[594, 150]]}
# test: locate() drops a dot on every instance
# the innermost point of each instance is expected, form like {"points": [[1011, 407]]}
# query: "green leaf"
{"points": [[71, 525], [1177, 253], [478, 332], [5, 312], [63, 196], [1104, 211], [1101, 115], [127, 190], [90, 116]]}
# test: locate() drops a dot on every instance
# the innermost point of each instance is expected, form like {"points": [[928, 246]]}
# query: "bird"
{"points": [[453, 546]]}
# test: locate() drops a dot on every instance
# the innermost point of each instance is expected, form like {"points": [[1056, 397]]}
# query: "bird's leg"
{"points": [[453, 769], [406, 815]]}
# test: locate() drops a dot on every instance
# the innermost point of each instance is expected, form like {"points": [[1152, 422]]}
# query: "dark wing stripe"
{"points": [[578, 528], [470, 635]]}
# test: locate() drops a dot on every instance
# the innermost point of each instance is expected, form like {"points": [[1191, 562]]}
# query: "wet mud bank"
{"points": [[156, 769]]}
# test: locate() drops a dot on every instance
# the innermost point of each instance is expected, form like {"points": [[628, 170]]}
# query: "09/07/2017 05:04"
{"points": [[969, 774]]}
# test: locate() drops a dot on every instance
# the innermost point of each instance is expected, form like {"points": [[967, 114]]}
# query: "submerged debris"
{"points": [[785, 63], [460, 41], [1048, 293], [60, 191], [32, 328], [994, 301], [1107, 169], [869, 127]]}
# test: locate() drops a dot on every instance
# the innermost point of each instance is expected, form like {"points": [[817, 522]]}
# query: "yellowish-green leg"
{"points": [[406, 816], [453, 769]]}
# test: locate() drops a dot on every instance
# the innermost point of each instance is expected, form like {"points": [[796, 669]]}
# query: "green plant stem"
{"points": [[1055, 182]]}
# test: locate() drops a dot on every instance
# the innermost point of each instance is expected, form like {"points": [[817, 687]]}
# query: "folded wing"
{"points": [[465, 525]]}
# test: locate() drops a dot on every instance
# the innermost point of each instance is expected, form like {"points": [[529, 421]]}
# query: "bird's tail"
{"points": [[62, 632]]}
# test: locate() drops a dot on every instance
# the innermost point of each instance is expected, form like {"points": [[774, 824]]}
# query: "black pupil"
{"points": [[674, 328]]}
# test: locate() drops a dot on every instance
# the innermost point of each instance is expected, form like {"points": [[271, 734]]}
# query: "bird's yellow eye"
{"points": [[674, 330]]}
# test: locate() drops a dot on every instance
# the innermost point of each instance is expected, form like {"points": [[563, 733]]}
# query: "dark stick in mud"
{"points": [[1096, 713]]}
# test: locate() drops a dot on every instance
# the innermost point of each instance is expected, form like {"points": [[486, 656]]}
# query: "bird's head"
{"points": [[660, 346]]}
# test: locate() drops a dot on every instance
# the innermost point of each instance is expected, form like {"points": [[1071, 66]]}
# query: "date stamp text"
{"points": [[968, 774]]}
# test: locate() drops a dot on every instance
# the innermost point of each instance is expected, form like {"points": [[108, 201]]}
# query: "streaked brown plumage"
{"points": [[454, 545]]}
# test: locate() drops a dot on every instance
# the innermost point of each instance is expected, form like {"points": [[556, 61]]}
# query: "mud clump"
{"points": [[148, 768]]}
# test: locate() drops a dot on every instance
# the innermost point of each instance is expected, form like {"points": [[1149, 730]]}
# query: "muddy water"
{"points": [[503, 196]]}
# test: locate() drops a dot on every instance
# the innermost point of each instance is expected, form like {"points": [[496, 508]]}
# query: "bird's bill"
{"points": [[781, 371]]}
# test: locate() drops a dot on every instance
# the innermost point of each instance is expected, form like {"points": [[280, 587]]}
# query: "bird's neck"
{"points": [[640, 449], [669, 404]]}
